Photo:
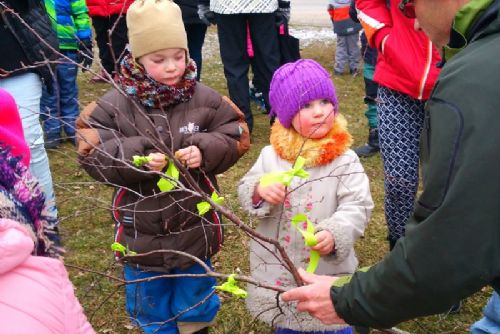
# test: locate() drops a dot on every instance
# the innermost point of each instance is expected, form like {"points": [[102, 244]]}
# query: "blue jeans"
{"points": [[158, 305], [27, 91], [490, 324], [60, 110]]}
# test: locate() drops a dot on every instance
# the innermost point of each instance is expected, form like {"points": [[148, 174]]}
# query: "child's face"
{"points": [[166, 66], [315, 119]]}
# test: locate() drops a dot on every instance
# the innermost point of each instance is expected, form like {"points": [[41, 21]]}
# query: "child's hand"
{"points": [[273, 194], [325, 243], [158, 162], [189, 156]]}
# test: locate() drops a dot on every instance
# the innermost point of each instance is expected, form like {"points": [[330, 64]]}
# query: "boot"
{"points": [[371, 147]]}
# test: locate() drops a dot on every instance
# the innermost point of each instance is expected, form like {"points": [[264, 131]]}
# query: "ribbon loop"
{"points": [[286, 177], [232, 287], [310, 239]]}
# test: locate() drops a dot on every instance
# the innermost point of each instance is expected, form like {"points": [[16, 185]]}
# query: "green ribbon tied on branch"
{"points": [[343, 280], [168, 184], [118, 247], [285, 177], [310, 239], [204, 206], [140, 160], [164, 184], [232, 287]]}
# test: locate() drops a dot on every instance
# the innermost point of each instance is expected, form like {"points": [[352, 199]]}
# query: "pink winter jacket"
{"points": [[36, 295]]}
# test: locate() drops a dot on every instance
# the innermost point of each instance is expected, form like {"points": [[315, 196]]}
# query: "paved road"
{"points": [[310, 13]]}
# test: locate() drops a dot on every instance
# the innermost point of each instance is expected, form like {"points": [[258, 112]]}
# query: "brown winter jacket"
{"points": [[116, 128]]}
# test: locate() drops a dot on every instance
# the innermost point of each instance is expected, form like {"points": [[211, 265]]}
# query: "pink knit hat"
{"points": [[11, 129], [296, 84]]}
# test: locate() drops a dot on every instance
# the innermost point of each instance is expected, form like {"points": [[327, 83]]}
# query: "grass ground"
{"points": [[87, 227]]}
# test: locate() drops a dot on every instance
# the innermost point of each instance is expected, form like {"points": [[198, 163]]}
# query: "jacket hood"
{"points": [[16, 245], [475, 20]]}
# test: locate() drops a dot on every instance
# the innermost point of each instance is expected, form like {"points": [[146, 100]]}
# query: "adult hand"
{"points": [[282, 14], [190, 156], [314, 298], [158, 162], [206, 15], [325, 244], [86, 54], [273, 194]]}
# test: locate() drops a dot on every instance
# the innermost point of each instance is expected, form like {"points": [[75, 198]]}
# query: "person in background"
{"points": [[347, 32], [159, 105], [369, 61], [453, 232], [195, 30], [59, 109], [27, 34], [308, 125], [232, 17], [406, 72], [108, 20]]}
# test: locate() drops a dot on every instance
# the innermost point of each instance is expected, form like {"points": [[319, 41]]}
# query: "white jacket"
{"points": [[336, 197]]}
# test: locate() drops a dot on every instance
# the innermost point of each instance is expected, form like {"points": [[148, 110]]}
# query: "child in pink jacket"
{"points": [[36, 295]]}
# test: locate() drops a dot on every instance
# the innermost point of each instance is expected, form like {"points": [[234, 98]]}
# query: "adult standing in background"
{"points": [[108, 20], [231, 17], [195, 30], [406, 72], [23, 70]]}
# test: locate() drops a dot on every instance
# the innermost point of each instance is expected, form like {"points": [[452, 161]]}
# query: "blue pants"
{"points": [[347, 330], [490, 324], [157, 305], [348, 52], [60, 110], [27, 91], [400, 121], [370, 88]]}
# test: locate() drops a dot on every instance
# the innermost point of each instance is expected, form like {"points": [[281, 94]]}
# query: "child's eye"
{"points": [[307, 105], [325, 102], [157, 61]]}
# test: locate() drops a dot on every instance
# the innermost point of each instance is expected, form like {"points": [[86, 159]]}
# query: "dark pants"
{"points": [[110, 54], [196, 37], [60, 109], [232, 31]]}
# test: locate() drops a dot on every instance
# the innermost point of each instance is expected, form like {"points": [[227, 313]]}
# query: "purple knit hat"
{"points": [[295, 84]]}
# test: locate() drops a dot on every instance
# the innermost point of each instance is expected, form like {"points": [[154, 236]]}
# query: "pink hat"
{"points": [[11, 128]]}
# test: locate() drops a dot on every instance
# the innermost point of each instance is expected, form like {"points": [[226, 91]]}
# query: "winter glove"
{"points": [[282, 14], [206, 15], [86, 54]]}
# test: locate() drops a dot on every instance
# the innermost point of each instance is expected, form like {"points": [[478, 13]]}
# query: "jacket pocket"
{"points": [[440, 154]]}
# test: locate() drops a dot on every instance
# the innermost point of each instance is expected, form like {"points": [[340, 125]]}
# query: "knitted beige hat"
{"points": [[155, 25]]}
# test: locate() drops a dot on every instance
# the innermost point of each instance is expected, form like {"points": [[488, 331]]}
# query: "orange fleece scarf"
{"points": [[289, 144]]}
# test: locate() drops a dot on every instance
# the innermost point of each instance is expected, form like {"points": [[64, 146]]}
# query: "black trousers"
{"points": [[233, 50], [110, 51], [196, 37]]}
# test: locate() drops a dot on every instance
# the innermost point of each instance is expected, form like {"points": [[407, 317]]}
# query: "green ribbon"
{"points": [[309, 240], [118, 247], [343, 280], [232, 287], [204, 206], [285, 177], [140, 160], [169, 184]]}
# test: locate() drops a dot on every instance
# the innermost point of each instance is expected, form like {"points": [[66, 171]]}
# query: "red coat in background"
{"points": [[108, 7], [407, 59]]}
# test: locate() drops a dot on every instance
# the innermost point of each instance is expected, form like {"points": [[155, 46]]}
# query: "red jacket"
{"points": [[108, 7], [407, 60]]}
